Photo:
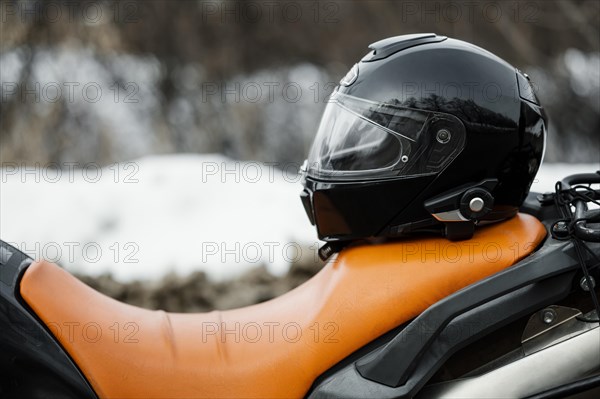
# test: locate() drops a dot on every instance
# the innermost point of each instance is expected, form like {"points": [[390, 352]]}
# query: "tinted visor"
{"points": [[362, 139]]}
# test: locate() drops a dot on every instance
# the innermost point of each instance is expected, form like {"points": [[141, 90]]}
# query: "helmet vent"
{"points": [[386, 47]]}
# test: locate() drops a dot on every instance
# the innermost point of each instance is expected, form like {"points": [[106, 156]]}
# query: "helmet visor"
{"points": [[358, 138]]}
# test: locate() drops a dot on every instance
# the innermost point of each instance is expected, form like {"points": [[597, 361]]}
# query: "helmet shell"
{"points": [[505, 134]]}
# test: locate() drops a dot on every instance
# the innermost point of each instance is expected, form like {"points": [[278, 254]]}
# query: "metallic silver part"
{"points": [[303, 171], [548, 316], [538, 323], [404, 158], [557, 333], [554, 366], [450, 216], [443, 136], [591, 317], [476, 204], [583, 283], [350, 77], [5, 255], [304, 166]]}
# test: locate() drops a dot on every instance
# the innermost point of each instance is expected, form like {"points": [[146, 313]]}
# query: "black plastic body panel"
{"points": [[32, 363], [394, 365], [463, 330], [400, 368], [543, 210]]}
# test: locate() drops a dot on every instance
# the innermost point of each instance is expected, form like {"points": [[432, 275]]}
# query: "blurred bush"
{"points": [[196, 293], [105, 81]]}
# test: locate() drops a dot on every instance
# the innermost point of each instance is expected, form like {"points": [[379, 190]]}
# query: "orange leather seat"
{"points": [[274, 349]]}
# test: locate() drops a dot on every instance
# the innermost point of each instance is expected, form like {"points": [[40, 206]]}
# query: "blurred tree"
{"points": [[181, 61]]}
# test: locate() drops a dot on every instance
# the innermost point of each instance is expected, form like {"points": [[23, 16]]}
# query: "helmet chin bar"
{"points": [[461, 209]]}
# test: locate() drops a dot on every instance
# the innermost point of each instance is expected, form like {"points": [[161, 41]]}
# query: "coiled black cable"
{"points": [[577, 230]]}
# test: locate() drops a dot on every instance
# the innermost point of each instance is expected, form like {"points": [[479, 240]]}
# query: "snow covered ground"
{"points": [[145, 218]]}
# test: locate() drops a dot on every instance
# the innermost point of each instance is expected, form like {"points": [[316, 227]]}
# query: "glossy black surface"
{"points": [[352, 211], [505, 137], [32, 364]]}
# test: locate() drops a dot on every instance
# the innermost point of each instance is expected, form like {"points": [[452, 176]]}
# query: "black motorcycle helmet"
{"points": [[425, 133]]}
